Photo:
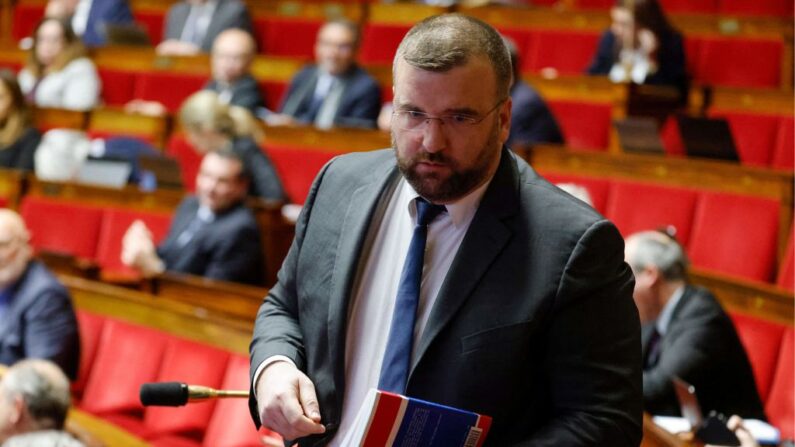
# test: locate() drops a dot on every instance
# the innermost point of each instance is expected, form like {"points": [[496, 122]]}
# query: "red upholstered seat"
{"points": [[192, 363], [287, 36], [128, 355], [754, 134], [636, 206], [3, 202], [118, 86], [598, 189], [171, 89], [152, 20], [90, 326], [298, 167], [689, 6], [786, 270], [189, 160], [523, 38], [762, 342], [739, 62], [230, 425], [52, 225], [780, 406], [567, 51], [736, 235], [783, 153], [26, 16], [672, 138], [594, 4], [585, 125], [780, 8], [274, 92], [114, 225], [380, 41]]}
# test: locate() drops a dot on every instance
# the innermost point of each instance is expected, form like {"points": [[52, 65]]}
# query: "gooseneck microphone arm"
{"points": [[175, 394]]}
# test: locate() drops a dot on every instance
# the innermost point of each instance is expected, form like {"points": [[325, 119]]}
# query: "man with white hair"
{"points": [[34, 400], [36, 315]]}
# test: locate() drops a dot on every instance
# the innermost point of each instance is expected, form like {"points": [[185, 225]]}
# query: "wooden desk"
{"points": [[96, 432], [12, 185]]}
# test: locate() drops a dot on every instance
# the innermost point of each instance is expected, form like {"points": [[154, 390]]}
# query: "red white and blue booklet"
{"points": [[391, 420]]}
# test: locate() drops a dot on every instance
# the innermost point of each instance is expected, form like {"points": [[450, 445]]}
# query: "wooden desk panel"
{"points": [[237, 301]]}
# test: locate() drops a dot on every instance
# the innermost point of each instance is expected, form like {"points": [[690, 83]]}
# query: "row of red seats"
{"points": [[769, 8], [52, 224], [729, 61], [728, 233], [771, 349], [117, 357]]}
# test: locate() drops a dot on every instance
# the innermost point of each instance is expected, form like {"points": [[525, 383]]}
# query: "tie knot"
{"points": [[426, 212]]}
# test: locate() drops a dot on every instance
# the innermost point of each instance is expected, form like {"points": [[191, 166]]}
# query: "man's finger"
{"points": [[308, 398]]}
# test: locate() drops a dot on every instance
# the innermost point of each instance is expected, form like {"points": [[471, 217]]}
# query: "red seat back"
{"points": [[597, 188], [115, 223], [585, 125], [171, 89], [380, 41], [689, 6], [780, 407], [287, 36], [762, 342], [786, 270], [736, 235], [189, 160], [193, 363], [739, 62], [128, 355], [26, 16], [783, 153], [152, 20], [635, 206], [274, 92], [52, 225], [780, 8], [230, 425], [754, 134], [569, 52], [90, 326], [298, 167], [119, 86]]}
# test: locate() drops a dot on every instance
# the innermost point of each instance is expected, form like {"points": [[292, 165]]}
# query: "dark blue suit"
{"points": [[670, 57], [105, 12], [359, 104], [228, 248], [531, 120], [40, 322]]}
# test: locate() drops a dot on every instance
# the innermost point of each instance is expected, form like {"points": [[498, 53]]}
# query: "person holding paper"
{"points": [[447, 270]]}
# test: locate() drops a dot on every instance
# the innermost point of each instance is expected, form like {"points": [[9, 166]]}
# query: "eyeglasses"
{"points": [[416, 121]]}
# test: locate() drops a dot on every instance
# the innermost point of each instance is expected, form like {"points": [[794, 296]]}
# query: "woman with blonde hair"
{"points": [[211, 125], [58, 73], [18, 139]]}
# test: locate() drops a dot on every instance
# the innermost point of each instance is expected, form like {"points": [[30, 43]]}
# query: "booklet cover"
{"points": [[391, 420]]}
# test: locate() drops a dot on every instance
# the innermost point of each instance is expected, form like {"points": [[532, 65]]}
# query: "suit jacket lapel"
{"points": [[302, 92], [19, 302], [364, 207], [485, 239]]}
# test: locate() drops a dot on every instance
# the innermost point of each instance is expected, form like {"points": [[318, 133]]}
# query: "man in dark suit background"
{"points": [[212, 234], [522, 311], [334, 91], [686, 333], [192, 25], [89, 18], [36, 315], [231, 57]]}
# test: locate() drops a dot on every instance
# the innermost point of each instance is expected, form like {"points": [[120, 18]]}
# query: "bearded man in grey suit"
{"points": [[523, 310]]}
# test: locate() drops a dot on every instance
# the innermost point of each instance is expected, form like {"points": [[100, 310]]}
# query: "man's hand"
{"points": [[287, 401], [138, 250], [174, 47], [735, 424]]}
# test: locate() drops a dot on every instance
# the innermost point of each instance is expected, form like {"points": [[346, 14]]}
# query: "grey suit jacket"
{"points": [[40, 322], [228, 14], [534, 324]]}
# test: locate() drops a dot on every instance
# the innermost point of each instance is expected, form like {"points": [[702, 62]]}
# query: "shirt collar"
{"points": [[668, 311], [205, 214], [461, 211]]}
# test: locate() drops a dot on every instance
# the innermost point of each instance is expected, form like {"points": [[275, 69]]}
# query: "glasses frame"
{"points": [[469, 120]]}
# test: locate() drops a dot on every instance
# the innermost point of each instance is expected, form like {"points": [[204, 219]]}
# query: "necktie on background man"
{"points": [[397, 356]]}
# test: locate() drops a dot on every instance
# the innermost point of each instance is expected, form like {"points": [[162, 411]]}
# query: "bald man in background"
{"points": [[36, 315]]}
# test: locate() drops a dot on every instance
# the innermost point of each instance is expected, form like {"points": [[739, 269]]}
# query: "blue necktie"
{"points": [[397, 357]]}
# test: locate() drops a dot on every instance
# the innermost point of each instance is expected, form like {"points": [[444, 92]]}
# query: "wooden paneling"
{"points": [[12, 184]]}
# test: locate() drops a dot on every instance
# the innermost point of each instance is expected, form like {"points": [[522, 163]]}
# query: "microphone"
{"points": [[176, 394]]}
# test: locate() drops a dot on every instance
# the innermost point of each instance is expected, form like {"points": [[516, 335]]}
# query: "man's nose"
{"points": [[434, 137]]}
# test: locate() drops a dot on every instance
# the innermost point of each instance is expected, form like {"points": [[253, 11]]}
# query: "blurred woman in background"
{"points": [[58, 73], [211, 125], [18, 139], [641, 46]]}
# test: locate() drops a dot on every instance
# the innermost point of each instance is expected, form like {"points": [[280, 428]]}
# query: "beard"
{"points": [[439, 188]]}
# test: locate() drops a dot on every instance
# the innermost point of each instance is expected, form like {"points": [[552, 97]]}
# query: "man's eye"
{"points": [[460, 119], [413, 114]]}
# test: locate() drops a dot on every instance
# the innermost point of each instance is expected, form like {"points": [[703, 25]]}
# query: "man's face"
{"points": [[231, 56], [218, 184], [441, 162], [621, 25], [14, 250], [335, 48]]}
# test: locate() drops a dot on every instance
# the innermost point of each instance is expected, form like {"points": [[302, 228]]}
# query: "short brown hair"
{"points": [[18, 118], [441, 43], [73, 48]]}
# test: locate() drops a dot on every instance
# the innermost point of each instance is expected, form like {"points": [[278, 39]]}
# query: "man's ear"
{"points": [[655, 275], [17, 410]]}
